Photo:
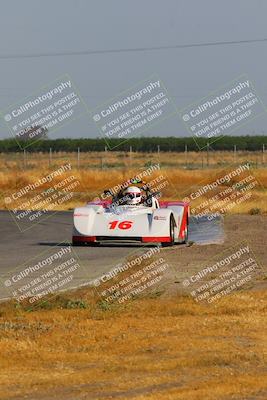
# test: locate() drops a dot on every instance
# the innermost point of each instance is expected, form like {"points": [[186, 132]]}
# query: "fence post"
{"points": [[78, 157], [208, 154], [50, 156], [24, 158], [130, 154], [185, 150], [234, 153]]}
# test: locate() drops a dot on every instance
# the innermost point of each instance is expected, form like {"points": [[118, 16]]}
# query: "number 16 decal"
{"points": [[121, 225]]}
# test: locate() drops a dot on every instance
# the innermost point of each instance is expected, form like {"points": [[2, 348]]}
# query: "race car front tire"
{"points": [[172, 234], [90, 244]]}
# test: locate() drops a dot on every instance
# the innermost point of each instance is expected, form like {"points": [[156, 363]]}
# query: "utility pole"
{"points": [[185, 151], [263, 154]]}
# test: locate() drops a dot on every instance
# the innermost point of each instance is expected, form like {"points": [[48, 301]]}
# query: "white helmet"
{"points": [[132, 195]]}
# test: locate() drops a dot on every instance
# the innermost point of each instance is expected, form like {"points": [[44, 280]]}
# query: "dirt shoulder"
{"points": [[239, 230]]}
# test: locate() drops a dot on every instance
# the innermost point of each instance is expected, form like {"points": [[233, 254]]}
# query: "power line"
{"points": [[130, 50]]}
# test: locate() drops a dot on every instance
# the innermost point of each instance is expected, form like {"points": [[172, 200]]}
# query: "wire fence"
{"points": [[207, 158]]}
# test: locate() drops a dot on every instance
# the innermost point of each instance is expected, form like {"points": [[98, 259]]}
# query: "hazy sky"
{"points": [[31, 27]]}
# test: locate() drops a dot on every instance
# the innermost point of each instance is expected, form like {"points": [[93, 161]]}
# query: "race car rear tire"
{"points": [[186, 231], [172, 234]]}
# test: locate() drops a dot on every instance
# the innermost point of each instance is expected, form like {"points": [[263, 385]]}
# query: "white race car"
{"points": [[133, 214]]}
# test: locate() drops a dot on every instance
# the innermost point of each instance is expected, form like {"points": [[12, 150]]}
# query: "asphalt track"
{"points": [[17, 248]]}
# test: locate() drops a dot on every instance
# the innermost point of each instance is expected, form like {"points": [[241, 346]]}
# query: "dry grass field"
{"points": [[153, 348], [98, 171]]}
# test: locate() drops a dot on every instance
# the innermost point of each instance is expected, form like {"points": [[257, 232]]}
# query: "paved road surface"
{"points": [[17, 248]]}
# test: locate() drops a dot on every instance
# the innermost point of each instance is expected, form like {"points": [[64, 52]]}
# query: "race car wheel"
{"points": [[78, 244], [83, 244], [186, 232], [172, 234]]}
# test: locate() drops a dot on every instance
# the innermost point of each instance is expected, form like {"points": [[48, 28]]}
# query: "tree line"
{"points": [[140, 144]]}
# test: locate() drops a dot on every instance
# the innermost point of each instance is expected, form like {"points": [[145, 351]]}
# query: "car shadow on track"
{"points": [[101, 245], [54, 244]]}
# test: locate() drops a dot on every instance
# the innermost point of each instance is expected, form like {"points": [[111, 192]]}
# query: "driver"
{"points": [[132, 196]]}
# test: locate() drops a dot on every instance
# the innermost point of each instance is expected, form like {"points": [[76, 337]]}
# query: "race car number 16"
{"points": [[121, 225]]}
